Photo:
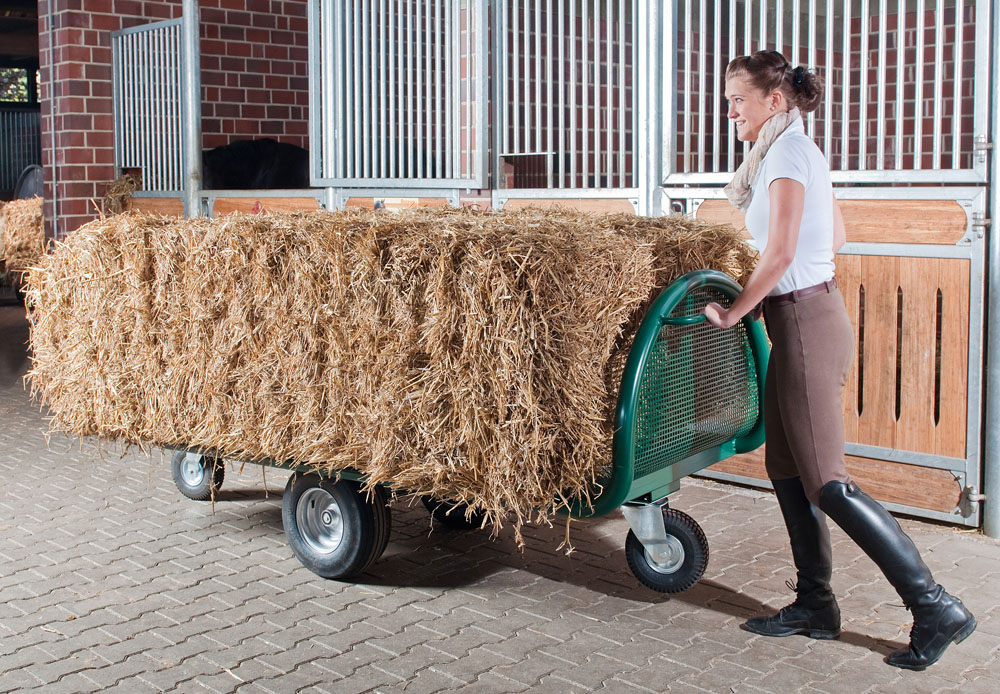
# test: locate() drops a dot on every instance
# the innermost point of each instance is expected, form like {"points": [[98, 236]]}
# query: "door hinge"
{"points": [[980, 145], [969, 503], [980, 223]]}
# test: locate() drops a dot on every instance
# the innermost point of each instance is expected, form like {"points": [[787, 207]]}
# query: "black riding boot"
{"points": [[939, 619], [815, 612]]}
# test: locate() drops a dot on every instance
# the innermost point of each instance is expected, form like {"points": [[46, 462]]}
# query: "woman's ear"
{"points": [[777, 99]]}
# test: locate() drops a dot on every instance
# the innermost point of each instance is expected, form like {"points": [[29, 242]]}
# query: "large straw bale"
{"points": [[23, 234], [462, 354]]}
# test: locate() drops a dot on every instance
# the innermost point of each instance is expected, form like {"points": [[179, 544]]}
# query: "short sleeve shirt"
{"points": [[794, 155]]}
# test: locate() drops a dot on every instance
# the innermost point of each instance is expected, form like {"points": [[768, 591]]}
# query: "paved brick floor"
{"points": [[112, 581]]}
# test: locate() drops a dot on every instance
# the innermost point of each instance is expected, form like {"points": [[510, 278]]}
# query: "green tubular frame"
{"points": [[621, 486]]}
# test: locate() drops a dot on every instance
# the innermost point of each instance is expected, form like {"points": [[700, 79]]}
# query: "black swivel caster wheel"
{"points": [[677, 565], [453, 513], [335, 529], [197, 476]]}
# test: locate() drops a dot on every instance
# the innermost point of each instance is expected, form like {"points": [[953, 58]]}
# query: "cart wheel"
{"points": [[452, 513], [335, 529], [196, 475], [682, 562]]}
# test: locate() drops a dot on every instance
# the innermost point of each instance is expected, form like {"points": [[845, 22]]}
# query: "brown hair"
{"points": [[768, 70]]}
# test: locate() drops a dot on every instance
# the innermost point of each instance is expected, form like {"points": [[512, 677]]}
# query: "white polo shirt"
{"points": [[794, 155]]}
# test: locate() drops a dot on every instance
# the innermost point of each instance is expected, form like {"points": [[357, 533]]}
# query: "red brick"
{"points": [[97, 138], [241, 50], [247, 127], [81, 155]]}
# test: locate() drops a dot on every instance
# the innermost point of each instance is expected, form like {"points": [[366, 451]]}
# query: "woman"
{"points": [[784, 188]]}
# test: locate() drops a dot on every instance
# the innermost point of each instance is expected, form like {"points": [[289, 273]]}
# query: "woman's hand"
{"points": [[719, 317]]}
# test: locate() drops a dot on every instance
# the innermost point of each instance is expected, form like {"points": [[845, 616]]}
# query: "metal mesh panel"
{"points": [[20, 142], [698, 390]]}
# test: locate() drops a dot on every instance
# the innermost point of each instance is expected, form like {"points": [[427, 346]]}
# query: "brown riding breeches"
{"points": [[812, 345]]}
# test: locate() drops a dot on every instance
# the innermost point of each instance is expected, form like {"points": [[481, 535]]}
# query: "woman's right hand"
{"points": [[718, 316]]}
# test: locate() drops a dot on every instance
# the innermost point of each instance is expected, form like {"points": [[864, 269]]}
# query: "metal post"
{"points": [[651, 77], [191, 81], [991, 458]]}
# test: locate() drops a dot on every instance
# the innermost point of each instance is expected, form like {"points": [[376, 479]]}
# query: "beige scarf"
{"points": [[740, 189]]}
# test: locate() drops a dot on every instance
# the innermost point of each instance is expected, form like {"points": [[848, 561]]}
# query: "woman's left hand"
{"points": [[719, 317]]}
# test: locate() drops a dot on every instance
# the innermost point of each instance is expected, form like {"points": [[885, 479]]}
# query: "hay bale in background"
{"points": [[23, 232], [449, 352], [118, 194]]}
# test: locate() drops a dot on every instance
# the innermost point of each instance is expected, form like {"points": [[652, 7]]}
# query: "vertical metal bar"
{"points": [[192, 99], [938, 82], [384, 83], [898, 111], [957, 79], [572, 94], [439, 112], [991, 447], [335, 70], [472, 152], [621, 94], [585, 126], [797, 31], [687, 82], [561, 139], [918, 93], [702, 115], [116, 98], [597, 94], [845, 56], [883, 20], [717, 33], [395, 84], [608, 96], [813, 14], [428, 107], [828, 87], [409, 155], [368, 82], [762, 27], [863, 86], [747, 27], [539, 125], [779, 27], [449, 86], [518, 75], [731, 134], [526, 81], [419, 140], [550, 139], [161, 148], [170, 48]]}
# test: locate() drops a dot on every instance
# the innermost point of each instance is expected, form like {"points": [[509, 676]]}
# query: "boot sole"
{"points": [[819, 634], [960, 636]]}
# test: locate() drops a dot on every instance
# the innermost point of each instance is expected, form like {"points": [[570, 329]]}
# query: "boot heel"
{"points": [[823, 634], [965, 632]]}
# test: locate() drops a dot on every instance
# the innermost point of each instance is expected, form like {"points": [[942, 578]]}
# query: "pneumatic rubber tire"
{"points": [[335, 529], [686, 564], [197, 476]]}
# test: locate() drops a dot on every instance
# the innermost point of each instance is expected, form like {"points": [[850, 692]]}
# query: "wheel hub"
{"points": [[665, 557], [320, 520], [192, 469]]}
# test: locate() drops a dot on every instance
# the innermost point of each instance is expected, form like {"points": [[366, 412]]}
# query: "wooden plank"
{"points": [[915, 427], [263, 205], [849, 280], [898, 483], [877, 419], [165, 206], [875, 221], [596, 205], [953, 280]]}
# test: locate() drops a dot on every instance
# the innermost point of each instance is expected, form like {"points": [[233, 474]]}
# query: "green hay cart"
{"points": [[690, 396]]}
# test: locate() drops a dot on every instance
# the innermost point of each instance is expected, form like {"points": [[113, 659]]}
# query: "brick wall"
{"points": [[254, 84]]}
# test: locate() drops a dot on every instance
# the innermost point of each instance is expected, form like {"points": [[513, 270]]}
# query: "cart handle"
{"points": [[684, 320]]}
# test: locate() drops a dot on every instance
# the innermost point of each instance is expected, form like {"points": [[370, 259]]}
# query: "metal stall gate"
{"points": [[567, 117], [400, 88], [20, 142], [903, 124], [147, 105]]}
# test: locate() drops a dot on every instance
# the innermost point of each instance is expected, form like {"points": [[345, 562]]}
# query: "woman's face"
{"points": [[748, 108]]}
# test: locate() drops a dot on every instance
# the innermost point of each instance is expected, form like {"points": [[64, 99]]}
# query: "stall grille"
{"points": [[20, 142]]}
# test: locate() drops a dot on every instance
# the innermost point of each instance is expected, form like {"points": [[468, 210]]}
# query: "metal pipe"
{"points": [[991, 458], [957, 76], [561, 139], [938, 82], [845, 68], [883, 20], [702, 115], [900, 70], [918, 99], [191, 54]]}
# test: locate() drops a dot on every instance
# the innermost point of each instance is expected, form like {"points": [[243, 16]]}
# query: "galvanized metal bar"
{"points": [[561, 139], [938, 82], [621, 95], [991, 462], [451, 82], [409, 116], [762, 26], [367, 82], [116, 99], [418, 50], [191, 63], [716, 60], [794, 58], [845, 69], [811, 120], [439, 107], [731, 134], [585, 92], [146, 105], [609, 98], [918, 98], [161, 114], [828, 86], [899, 111], [688, 40], [526, 79], [702, 104], [956, 85], [550, 135], [597, 94], [883, 20], [383, 81], [473, 152], [572, 94], [779, 26], [518, 82], [863, 88]]}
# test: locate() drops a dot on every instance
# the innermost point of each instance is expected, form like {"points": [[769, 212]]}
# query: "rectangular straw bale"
{"points": [[23, 234], [456, 353]]}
